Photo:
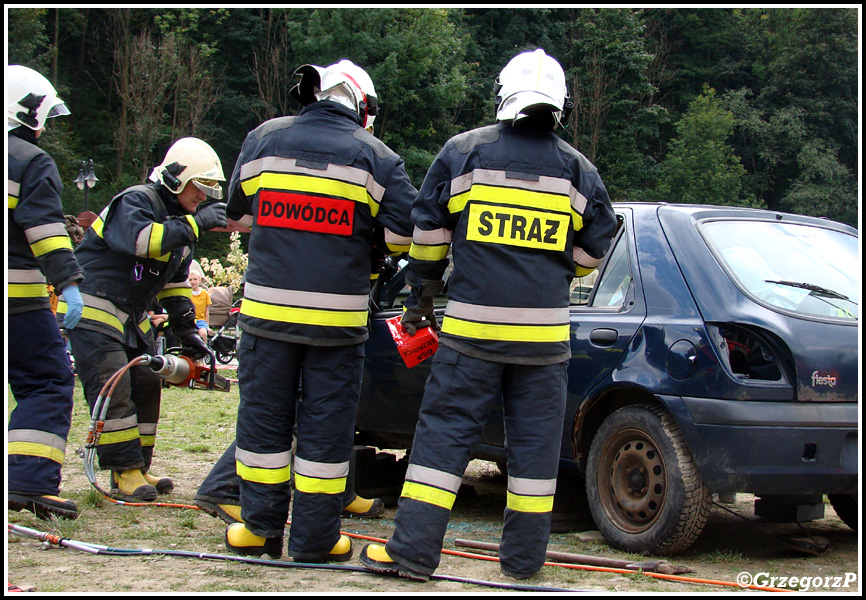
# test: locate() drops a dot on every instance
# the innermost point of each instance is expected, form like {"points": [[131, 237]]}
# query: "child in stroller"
{"points": [[224, 320]]}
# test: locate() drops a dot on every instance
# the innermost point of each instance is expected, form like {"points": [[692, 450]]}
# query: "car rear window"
{"points": [[793, 267]]}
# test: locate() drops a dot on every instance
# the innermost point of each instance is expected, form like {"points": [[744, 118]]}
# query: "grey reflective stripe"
{"points": [[578, 201], [308, 468], [545, 183], [583, 259], [317, 300], [120, 424], [277, 460], [276, 164], [246, 221], [432, 237], [531, 487], [507, 314], [395, 239], [40, 232], [25, 276], [13, 187], [147, 428], [428, 476], [142, 242], [104, 305], [34, 436]]}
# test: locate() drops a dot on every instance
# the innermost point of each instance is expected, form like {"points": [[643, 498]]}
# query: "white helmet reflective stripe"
{"points": [[30, 99], [343, 82], [530, 79], [190, 159]]}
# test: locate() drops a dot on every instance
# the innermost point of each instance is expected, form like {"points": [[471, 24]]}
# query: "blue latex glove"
{"points": [[74, 306]]}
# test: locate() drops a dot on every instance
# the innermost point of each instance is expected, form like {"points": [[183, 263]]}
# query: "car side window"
{"points": [[614, 283]]}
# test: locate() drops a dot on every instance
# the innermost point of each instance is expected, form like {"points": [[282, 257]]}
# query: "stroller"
{"points": [[224, 319]]}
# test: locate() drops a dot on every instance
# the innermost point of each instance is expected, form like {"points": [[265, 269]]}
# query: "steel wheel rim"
{"points": [[632, 481]]}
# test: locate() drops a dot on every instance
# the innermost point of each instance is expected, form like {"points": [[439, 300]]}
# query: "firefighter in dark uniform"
{"points": [[39, 252], [319, 191], [137, 251], [523, 213]]}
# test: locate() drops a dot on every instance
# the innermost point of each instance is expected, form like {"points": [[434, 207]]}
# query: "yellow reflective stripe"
{"points": [[147, 440], [193, 224], [576, 221], [97, 226], [144, 326], [259, 475], [118, 437], [314, 485], [34, 449], [26, 290], [51, 244], [530, 504], [397, 249], [154, 245], [175, 291], [94, 314], [522, 198], [310, 185], [13, 201], [430, 253], [580, 271], [428, 494], [458, 203], [505, 333], [306, 316]]}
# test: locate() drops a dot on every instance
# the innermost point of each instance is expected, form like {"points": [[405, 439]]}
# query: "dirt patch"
{"points": [[732, 544]]}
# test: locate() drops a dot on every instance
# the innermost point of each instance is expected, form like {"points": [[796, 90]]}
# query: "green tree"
{"points": [[701, 167]]}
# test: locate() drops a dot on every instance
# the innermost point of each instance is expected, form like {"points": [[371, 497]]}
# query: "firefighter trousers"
{"points": [[269, 374], [41, 380], [458, 399], [129, 435]]}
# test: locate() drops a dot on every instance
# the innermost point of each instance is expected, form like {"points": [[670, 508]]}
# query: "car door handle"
{"points": [[604, 337]]}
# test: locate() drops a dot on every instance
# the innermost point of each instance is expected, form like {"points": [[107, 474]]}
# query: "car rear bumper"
{"points": [[771, 447]]}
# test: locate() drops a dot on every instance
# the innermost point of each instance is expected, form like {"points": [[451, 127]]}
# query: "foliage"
{"points": [[232, 274], [701, 168], [138, 78]]}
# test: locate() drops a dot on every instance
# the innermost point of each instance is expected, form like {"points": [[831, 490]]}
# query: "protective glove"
{"points": [[212, 215], [74, 306], [418, 312], [193, 345]]}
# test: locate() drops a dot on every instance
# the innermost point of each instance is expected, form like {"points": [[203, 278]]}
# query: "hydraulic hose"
{"points": [[109, 551]]}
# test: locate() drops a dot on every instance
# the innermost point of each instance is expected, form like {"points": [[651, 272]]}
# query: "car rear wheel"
{"points": [[644, 491], [845, 506]]}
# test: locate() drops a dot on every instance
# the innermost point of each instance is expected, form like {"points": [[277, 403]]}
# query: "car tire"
{"points": [[845, 506], [645, 493]]}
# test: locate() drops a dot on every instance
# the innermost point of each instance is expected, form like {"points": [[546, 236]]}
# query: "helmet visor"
{"points": [[210, 187], [58, 110]]}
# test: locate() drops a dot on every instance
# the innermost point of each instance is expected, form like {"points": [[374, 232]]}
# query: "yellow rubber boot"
{"points": [[230, 513], [341, 552], [44, 506], [364, 508], [163, 485], [132, 486], [376, 558], [241, 540]]}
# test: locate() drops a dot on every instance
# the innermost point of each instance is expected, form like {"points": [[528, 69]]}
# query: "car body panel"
{"points": [[661, 345]]}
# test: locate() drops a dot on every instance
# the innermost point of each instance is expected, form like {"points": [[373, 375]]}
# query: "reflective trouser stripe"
{"points": [[259, 475], [530, 495], [428, 494], [263, 468], [32, 442], [320, 478]]}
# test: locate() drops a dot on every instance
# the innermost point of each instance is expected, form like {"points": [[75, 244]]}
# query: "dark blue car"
{"points": [[715, 350]]}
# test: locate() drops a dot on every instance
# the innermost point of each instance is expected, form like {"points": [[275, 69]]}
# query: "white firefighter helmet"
{"points": [[30, 99], [531, 79], [343, 82], [190, 159]]}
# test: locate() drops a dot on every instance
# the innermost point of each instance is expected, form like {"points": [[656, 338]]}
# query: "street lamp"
{"points": [[86, 179]]}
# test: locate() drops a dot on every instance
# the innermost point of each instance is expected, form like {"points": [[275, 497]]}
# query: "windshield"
{"points": [[795, 267]]}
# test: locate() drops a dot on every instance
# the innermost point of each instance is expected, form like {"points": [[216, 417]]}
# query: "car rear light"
{"points": [[746, 353]]}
